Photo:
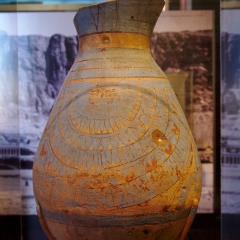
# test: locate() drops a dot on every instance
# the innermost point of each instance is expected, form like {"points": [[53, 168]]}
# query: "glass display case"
{"points": [[196, 44]]}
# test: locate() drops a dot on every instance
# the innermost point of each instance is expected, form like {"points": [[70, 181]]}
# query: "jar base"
{"points": [[164, 231]]}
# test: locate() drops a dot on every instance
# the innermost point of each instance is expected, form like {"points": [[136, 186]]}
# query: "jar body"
{"points": [[117, 159]]}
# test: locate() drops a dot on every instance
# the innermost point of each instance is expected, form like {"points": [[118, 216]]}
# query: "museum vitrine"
{"points": [[39, 44]]}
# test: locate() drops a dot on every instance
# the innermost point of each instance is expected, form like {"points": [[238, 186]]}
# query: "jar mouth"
{"points": [[96, 4], [129, 16]]}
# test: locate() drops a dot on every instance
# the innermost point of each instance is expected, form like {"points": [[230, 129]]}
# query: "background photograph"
{"points": [[230, 48], [37, 51]]}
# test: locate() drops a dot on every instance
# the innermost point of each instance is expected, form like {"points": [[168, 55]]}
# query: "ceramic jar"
{"points": [[117, 159]]}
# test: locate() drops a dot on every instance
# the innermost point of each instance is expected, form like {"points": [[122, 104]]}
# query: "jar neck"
{"points": [[114, 40], [119, 16]]}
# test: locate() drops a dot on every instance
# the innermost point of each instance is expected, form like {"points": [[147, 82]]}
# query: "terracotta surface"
{"points": [[117, 159]]}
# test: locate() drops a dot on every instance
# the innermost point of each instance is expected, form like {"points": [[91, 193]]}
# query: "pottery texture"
{"points": [[117, 159]]}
